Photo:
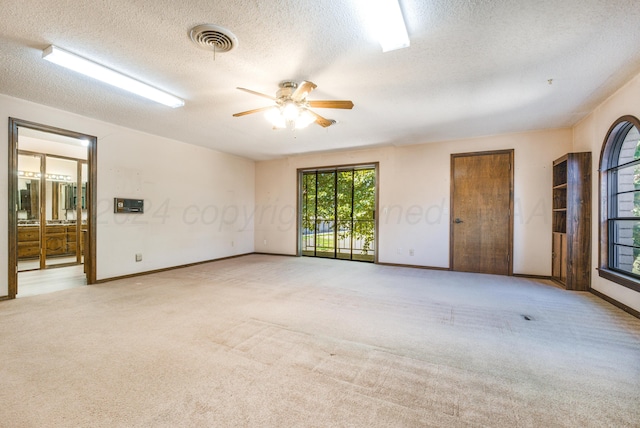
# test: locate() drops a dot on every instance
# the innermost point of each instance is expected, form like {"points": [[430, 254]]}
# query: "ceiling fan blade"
{"points": [[321, 120], [303, 89], [256, 110], [331, 104], [257, 93]]}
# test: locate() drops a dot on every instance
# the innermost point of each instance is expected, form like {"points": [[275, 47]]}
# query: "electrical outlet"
{"points": [[265, 242], [399, 250], [139, 257], [232, 243], [411, 252]]}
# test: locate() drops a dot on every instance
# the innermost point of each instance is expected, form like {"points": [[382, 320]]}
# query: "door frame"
{"points": [[510, 152], [90, 245]]}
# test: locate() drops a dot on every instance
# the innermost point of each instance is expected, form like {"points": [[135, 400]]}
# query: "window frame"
{"points": [[609, 156]]}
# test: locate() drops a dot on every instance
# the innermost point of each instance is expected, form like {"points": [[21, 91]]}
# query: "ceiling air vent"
{"points": [[213, 38]]}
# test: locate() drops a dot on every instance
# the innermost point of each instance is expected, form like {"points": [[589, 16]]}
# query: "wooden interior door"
{"points": [[481, 207]]}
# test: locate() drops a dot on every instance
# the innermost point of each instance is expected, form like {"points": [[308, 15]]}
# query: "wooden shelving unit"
{"points": [[571, 221]]}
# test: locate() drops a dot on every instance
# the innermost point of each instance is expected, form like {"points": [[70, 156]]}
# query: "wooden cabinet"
{"points": [[60, 240], [71, 239], [571, 221], [56, 240], [28, 242]]}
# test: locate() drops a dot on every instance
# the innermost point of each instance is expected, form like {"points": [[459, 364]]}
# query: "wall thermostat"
{"points": [[122, 205]]}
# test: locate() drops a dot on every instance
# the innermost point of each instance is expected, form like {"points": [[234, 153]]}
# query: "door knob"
{"points": [[457, 220]]}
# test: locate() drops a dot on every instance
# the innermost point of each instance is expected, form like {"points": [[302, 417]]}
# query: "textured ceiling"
{"points": [[474, 67]]}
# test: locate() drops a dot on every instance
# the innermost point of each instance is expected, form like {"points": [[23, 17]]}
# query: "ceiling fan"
{"points": [[291, 109]]}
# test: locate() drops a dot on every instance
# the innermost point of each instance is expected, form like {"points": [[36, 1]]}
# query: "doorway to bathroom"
{"points": [[52, 211]]}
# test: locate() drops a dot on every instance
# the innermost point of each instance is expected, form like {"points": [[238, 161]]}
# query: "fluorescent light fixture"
{"points": [[389, 24], [89, 68]]}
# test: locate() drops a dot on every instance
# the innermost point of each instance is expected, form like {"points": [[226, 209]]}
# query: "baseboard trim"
{"points": [[274, 254], [519, 275], [615, 303], [541, 277], [412, 266], [149, 272]]}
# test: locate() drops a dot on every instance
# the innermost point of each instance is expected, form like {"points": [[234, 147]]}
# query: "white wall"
{"points": [[414, 198], [194, 197], [589, 135], [194, 202]]}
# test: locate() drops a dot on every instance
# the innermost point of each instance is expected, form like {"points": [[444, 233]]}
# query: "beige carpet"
{"points": [[268, 341]]}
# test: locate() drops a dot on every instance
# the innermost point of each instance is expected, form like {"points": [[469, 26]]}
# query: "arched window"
{"points": [[620, 203]]}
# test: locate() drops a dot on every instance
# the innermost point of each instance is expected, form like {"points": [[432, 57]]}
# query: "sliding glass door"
{"points": [[338, 213]]}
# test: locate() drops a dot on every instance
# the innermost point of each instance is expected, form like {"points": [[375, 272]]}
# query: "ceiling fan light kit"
{"points": [[97, 71], [291, 109], [289, 116]]}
